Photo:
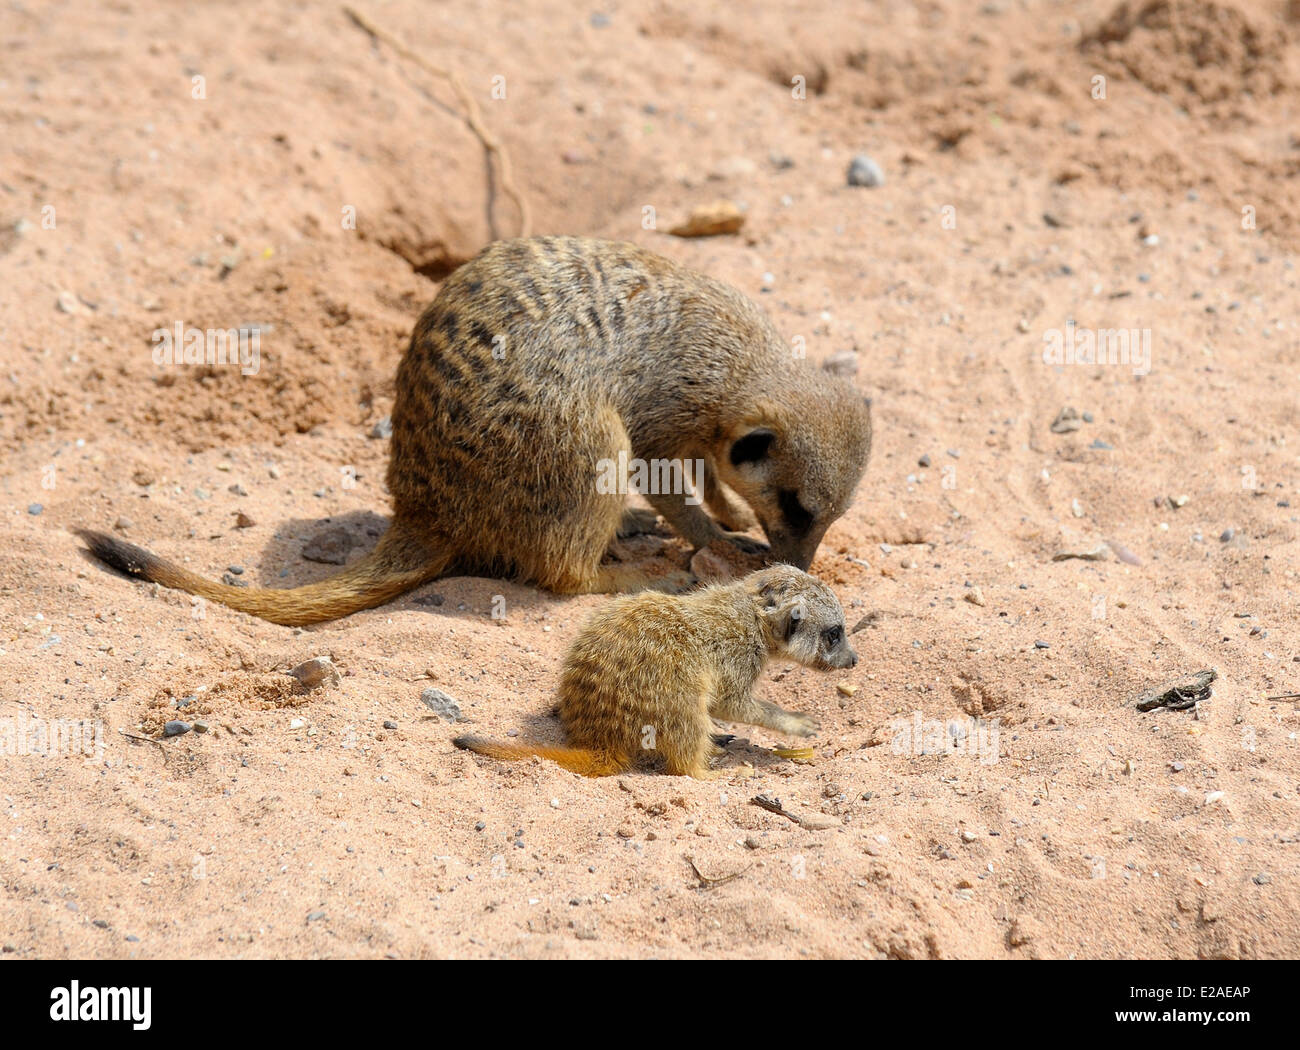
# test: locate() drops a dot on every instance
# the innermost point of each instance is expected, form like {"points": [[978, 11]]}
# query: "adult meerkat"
{"points": [[542, 361], [649, 672]]}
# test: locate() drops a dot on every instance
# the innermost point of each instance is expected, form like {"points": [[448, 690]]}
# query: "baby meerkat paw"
{"points": [[799, 724]]}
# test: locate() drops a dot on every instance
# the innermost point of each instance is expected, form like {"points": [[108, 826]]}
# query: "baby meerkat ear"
{"points": [[784, 615]]}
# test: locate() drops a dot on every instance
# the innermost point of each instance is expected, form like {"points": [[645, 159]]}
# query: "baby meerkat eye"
{"points": [[832, 635]]}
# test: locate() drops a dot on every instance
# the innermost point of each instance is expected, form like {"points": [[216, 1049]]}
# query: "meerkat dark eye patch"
{"points": [[752, 447], [833, 636], [797, 517]]}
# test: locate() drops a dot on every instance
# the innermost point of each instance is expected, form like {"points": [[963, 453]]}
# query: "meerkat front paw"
{"points": [[746, 544], [638, 521]]}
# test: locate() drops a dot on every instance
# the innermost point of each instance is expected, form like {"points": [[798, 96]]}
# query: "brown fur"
{"points": [[537, 360], [649, 672]]}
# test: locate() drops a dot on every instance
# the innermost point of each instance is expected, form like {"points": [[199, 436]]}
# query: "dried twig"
{"points": [[706, 882], [1179, 695], [473, 117], [147, 740], [773, 805]]}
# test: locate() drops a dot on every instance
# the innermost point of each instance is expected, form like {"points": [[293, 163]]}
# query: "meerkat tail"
{"points": [[578, 760], [399, 562]]}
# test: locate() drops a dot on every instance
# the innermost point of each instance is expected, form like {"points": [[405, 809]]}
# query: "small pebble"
{"points": [[316, 672], [176, 728], [35, 508], [863, 171]]}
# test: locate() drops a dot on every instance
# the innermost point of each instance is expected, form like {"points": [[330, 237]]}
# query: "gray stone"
{"points": [[863, 171], [316, 672], [442, 705]]}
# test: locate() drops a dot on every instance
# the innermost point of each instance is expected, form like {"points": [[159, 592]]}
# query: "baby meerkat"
{"points": [[649, 672], [542, 363]]}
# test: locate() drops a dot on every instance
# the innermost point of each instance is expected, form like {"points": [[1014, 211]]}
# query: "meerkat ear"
{"points": [[752, 447], [793, 617], [784, 615]]}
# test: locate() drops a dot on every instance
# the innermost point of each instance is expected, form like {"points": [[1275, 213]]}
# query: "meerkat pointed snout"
{"points": [[650, 672], [797, 469]]}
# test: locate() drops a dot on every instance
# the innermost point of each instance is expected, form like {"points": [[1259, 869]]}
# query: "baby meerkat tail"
{"points": [[399, 562], [578, 760]]}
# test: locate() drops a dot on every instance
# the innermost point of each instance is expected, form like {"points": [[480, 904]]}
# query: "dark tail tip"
{"points": [[120, 555], [465, 743]]}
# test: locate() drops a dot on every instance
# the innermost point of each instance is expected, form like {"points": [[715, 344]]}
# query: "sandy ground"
{"points": [[1022, 197]]}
